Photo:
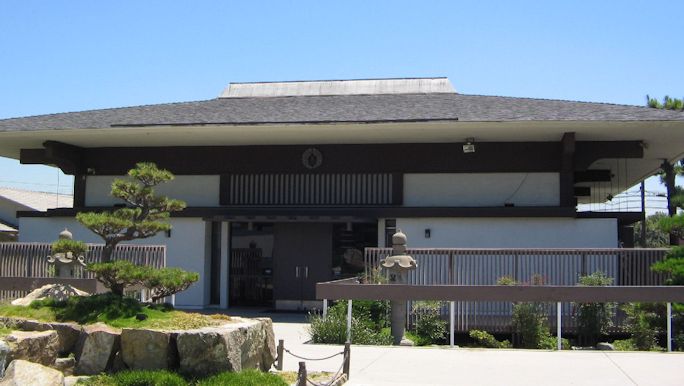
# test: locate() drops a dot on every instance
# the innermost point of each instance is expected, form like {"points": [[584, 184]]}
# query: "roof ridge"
{"points": [[567, 100]]}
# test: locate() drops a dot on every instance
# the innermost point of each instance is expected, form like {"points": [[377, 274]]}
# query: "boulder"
{"points": [[4, 353], [270, 352], [65, 365], [148, 349], [230, 347], [96, 349], [59, 292], [68, 333], [22, 373], [10, 322], [603, 346], [34, 346]]}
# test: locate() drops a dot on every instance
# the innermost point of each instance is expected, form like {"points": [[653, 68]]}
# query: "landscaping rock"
{"points": [[231, 347], [65, 365], [68, 333], [59, 292], [4, 353], [10, 322], [96, 349], [603, 346], [148, 349], [35, 346], [23, 373], [270, 352]]}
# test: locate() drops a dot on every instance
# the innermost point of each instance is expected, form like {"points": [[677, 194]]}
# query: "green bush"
{"points": [[550, 342], [593, 319], [333, 328], [530, 324], [90, 309], [430, 327], [67, 245], [641, 324], [137, 378], [117, 275], [485, 339], [244, 378], [167, 281], [624, 345]]}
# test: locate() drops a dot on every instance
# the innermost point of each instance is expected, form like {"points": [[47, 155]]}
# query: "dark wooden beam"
{"points": [[80, 190], [567, 194], [582, 191], [596, 175], [588, 152], [68, 158]]}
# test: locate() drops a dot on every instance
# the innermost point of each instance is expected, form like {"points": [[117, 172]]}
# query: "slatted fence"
{"points": [[627, 267]]}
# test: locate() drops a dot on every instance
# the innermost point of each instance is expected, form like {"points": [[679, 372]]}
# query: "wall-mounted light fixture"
{"points": [[469, 146], [428, 233], [168, 233]]}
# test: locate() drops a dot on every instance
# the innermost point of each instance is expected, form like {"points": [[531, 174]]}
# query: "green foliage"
{"points": [[672, 266], [119, 274], [529, 321], [506, 280], [624, 345], [66, 245], [137, 378], [146, 214], [430, 328], [91, 309], [668, 103], [673, 225], [641, 323], [365, 330], [244, 378], [655, 237], [593, 319], [168, 281], [550, 342], [485, 339]]}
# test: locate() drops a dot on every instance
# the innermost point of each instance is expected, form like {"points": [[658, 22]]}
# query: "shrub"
{"points": [[430, 327], [641, 324], [593, 319], [67, 245], [672, 266], [117, 275], [89, 309], [333, 328], [550, 342], [485, 339], [167, 281], [530, 323]]}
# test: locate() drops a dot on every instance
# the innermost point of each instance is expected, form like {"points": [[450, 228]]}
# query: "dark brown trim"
{"points": [[590, 152], [582, 191], [624, 218], [68, 158], [80, 190], [398, 188], [359, 212], [347, 289], [597, 175], [566, 193]]}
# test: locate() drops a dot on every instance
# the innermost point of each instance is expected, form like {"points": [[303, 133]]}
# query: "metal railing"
{"points": [[484, 266], [29, 260]]}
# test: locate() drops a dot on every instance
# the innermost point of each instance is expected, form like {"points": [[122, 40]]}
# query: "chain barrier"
{"points": [[303, 378], [313, 359], [338, 374]]}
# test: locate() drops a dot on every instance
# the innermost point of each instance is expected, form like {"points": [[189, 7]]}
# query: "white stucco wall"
{"points": [[194, 190], [184, 249], [481, 189], [509, 232]]}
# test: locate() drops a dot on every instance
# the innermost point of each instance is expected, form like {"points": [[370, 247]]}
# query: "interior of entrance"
{"points": [[277, 264]]}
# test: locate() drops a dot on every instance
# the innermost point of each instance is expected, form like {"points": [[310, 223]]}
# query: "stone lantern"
{"points": [[398, 265], [65, 263]]}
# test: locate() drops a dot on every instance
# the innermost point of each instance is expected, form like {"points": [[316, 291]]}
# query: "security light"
{"points": [[469, 146]]}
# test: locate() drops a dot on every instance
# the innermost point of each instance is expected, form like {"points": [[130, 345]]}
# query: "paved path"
{"points": [[377, 365]]}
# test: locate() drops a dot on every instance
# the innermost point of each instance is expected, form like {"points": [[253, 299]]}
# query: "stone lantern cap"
{"points": [[399, 258], [65, 234]]}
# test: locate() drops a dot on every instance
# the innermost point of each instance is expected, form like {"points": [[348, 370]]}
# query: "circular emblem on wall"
{"points": [[312, 158]]}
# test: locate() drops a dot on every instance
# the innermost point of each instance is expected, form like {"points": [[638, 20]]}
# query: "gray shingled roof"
{"points": [[343, 108]]}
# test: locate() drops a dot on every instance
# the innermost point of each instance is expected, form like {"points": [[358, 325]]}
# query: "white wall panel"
{"points": [[481, 189], [194, 190]]}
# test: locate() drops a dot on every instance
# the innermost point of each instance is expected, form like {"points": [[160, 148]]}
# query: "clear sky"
{"points": [[58, 56]]}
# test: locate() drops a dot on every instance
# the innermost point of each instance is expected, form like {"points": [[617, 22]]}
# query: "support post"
{"points": [[452, 318], [669, 327], [559, 314], [347, 359], [349, 320], [281, 349], [325, 308], [301, 375]]}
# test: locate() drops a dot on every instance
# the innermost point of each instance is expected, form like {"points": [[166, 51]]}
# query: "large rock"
{"points": [[12, 323], [270, 352], [148, 349], [4, 353], [23, 373], [231, 347], [96, 349], [59, 292], [65, 365], [35, 346], [68, 333]]}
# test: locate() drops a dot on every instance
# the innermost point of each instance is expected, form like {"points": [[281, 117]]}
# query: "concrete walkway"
{"points": [[378, 365]]}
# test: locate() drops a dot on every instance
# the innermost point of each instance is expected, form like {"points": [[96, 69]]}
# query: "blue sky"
{"points": [[62, 56]]}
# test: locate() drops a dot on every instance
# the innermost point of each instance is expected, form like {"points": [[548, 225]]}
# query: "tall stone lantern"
{"points": [[398, 265], [65, 263]]}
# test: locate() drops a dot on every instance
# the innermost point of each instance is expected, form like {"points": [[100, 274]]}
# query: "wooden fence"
{"points": [[454, 266], [29, 260]]}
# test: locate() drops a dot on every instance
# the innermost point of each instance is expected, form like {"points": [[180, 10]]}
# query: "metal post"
{"points": [[281, 348], [559, 314], [669, 327], [452, 306], [349, 320], [347, 359], [301, 376], [325, 308]]}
